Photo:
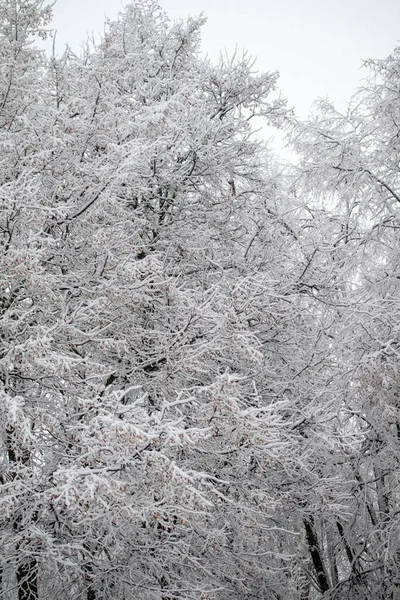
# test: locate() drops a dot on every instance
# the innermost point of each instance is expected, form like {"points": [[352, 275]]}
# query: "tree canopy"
{"points": [[198, 354]]}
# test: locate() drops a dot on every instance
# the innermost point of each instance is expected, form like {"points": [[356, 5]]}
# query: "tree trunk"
{"points": [[91, 592], [313, 546], [27, 570]]}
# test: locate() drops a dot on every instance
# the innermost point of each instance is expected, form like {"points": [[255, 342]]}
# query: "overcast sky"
{"points": [[317, 45]]}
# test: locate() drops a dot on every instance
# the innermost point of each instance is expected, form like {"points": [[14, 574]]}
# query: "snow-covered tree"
{"points": [[22, 288], [198, 371], [349, 165], [144, 282]]}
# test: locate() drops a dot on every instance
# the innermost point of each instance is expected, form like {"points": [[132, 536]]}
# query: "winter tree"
{"points": [[349, 165], [198, 369], [140, 291]]}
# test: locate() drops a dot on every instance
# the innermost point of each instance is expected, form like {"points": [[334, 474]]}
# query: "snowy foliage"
{"points": [[198, 353]]}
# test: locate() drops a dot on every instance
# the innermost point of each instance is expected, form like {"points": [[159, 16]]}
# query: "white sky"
{"points": [[317, 45]]}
